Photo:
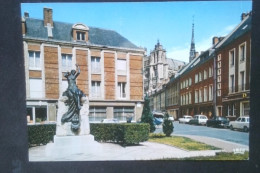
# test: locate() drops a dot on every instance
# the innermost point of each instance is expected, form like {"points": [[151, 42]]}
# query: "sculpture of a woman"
{"points": [[74, 95]]}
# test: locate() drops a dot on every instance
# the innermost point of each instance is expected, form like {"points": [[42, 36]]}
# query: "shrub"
{"points": [[167, 125], [147, 116], [40, 134], [124, 133], [156, 135]]}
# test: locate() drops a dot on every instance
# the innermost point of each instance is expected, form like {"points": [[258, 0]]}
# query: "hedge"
{"points": [[40, 134], [124, 133]]}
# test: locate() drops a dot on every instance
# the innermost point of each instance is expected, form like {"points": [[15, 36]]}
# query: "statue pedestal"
{"points": [[71, 145]]}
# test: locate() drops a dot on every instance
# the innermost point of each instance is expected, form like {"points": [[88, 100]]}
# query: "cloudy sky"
{"points": [[143, 23]]}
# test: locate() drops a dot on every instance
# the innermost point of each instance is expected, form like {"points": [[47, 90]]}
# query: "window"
{"points": [[121, 90], [97, 113], [219, 93], [219, 71], [219, 57], [196, 96], [210, 92], [34, 60], [219, 79], [205, 94], [245, 109], [205, 74], [121, 113], [187, 82], [36, 114], [231, 110], [36, 90], [66, 62], [190, 81], [196, 78], [242, 52], [200, 76], [121, 67], [184, 99], [95, 89], [81, 36], [232, 57], [242, 81], [210, 71], [200, 95], [181, 85], [181, 99], [189, 97], [219, 86], [232, 84], [95, 65], [219, 64]]}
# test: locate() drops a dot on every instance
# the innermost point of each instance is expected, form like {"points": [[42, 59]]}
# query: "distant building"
{"points": [[111, 69], [158, 69]]}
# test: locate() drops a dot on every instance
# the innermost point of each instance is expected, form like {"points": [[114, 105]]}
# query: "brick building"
{"points": [[233, 57], [111, 68], [216, 82]]}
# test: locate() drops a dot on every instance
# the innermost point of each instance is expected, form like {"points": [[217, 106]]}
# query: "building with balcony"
{"points": [[111, 69]]}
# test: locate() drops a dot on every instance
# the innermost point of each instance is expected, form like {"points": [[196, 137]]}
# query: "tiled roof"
{"points": [[63, 32]]}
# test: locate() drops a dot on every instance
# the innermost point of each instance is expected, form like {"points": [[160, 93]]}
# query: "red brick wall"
{"points": [[82, 80], [136, 77], [109, 70], [51, 72]]}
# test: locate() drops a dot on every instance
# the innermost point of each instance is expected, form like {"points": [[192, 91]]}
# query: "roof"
{"points": [[62, 32], [244, 27], [174, 64]]}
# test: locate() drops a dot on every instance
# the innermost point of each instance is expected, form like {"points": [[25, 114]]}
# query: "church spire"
{"points": [[192, 45]]}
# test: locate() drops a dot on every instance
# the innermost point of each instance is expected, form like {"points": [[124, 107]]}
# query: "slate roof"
{"points": [[244, 27], [174, 64], [63, 32]]}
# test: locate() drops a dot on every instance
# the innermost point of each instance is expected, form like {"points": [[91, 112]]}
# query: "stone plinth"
{"points": [[71, 145]]}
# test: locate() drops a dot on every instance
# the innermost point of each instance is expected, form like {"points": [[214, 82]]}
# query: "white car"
{"points": [[171, 118], [242, 123], [199, 120], [185, 119]]}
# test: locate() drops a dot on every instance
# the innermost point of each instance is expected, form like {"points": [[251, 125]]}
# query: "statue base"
{"points": [[72, 145]]}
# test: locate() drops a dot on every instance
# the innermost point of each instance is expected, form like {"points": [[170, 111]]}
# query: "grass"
{"points": [[180, 142], [219, 156]]}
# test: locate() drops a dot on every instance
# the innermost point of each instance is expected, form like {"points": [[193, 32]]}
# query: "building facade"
{"points": [[214, 83], [233, 57], [110, 65]]}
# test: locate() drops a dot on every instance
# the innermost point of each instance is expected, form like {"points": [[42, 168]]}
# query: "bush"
{"points": [[124, 133], [167, 125], [40, 134], [156, 135]]}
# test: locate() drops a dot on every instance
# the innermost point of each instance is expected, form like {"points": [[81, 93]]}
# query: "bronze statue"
{"points": [[74, 95]]}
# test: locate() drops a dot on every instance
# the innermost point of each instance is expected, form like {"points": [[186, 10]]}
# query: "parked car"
{"points": [[110, 121], [199, 120], [185, 119], [242, 123], [171, 118], [218, 122]]}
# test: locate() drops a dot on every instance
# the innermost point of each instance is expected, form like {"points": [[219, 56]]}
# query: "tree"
{"points": [[147, 115], [167, 125]]}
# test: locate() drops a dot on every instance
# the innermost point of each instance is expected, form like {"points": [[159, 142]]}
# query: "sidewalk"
{"points": [[144, 151]]}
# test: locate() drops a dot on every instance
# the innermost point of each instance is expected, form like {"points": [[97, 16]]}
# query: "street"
{"points": [[219, 133]]}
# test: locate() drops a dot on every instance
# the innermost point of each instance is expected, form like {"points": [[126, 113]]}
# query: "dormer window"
{"points": [[80, 32], [80, 36]]}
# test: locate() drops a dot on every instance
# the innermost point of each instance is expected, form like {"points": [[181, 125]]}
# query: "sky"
{"points": [[144, 23]]}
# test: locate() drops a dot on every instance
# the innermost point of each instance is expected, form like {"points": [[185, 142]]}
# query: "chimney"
{"points": [[215, 40], [26, 14], [47, 16], [23, 26], [244, 15]]}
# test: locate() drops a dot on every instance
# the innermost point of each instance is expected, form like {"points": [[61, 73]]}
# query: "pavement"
{"points": [[143, 151]]}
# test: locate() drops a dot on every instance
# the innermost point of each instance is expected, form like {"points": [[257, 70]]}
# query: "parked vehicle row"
{"points": [[242, 123]]}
